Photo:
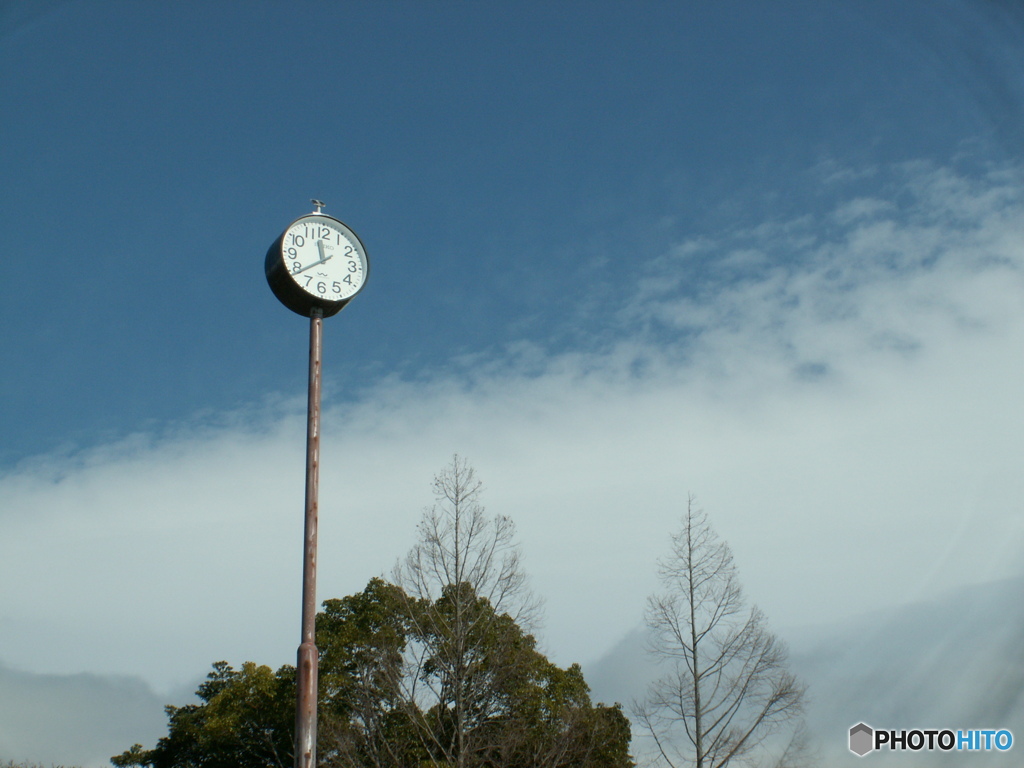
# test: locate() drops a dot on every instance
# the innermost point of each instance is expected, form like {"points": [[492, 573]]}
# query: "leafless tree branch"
{"points": [[726, 690]]}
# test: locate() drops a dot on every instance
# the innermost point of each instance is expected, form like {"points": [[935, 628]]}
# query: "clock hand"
{"points": [[310, 266], [323, 257]]}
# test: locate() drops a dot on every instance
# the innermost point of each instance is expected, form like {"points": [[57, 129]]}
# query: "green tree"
{"points": [[521, 710], [436, 671], [517, 708], [455, 677], [242, 720], [361, 638]]}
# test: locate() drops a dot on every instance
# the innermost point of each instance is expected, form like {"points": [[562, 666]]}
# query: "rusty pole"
{"points": [[306, 669]]}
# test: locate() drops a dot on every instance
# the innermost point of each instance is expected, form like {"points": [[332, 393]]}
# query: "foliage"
{"points": [[244, 720], [435, 670], [521, 710]]}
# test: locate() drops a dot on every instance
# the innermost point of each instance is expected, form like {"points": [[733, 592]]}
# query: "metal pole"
{"points": [[305, 712]]}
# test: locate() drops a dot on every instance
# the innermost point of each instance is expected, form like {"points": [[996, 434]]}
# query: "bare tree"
{"points": [[460, 544], [726, 696], [465, 577]]}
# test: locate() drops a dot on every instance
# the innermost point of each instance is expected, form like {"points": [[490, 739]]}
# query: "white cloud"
{"points": [[846, 406]]}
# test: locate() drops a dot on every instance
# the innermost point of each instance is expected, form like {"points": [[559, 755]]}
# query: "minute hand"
{"points": [[314, 264]]}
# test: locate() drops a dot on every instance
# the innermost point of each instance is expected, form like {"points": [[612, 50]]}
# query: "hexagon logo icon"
{"points": [[862, 738]]}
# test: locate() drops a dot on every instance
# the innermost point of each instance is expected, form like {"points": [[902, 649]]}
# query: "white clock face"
{"points": [[324, 258]]}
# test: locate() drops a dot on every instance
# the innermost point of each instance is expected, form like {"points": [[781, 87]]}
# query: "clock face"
{"points": [[324, 258]]}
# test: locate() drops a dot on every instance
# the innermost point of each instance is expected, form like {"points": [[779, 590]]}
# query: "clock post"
{"points": [[314, 268], [308, 660]]}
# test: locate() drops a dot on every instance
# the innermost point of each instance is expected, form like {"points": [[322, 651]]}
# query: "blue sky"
{"points": [[770, 254], [497, 160]]}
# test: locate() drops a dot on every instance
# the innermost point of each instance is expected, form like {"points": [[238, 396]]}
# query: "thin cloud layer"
{"points": [[840, 391]]}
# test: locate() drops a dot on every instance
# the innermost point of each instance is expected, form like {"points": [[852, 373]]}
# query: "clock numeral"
{"points": [[321, 287], [353, 267], [298, 240], [347, 279], [336, 286], [296, 267]]}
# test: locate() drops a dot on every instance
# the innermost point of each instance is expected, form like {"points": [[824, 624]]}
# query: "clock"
{"points": [[316, 263]]}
